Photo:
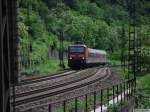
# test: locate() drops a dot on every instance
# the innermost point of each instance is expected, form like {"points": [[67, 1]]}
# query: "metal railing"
{"points": [[103, 99]]}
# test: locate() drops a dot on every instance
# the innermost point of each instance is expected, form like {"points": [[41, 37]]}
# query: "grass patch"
{"points": [[51, 66], [143, 82], [117, 107], [115, 62], [143, 92], [48, 67]]}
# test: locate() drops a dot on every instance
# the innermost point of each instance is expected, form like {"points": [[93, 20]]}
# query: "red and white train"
{"points": [[79, 55]]}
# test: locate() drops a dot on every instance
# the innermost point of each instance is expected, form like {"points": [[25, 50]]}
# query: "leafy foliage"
{"points": [[98, 23]]}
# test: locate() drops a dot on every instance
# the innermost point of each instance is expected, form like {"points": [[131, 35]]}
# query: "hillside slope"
{"points": [[101, 24]]}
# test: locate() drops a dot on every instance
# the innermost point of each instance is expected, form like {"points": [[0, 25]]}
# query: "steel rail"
{"points": [[54, 86], [57, 92], [47, 77]]}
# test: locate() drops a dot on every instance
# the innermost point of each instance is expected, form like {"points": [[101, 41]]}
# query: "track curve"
{"points": [[22, 102]]}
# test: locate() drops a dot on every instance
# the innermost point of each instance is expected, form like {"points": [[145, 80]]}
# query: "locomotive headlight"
{"points": [[83, 58], [70, 58]]}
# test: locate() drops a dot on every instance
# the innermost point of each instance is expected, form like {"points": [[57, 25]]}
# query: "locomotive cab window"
{"points": [[76, 49]]}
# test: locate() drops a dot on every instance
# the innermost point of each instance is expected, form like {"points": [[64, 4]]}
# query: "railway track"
{"points": [[52, 82], [31, 80], [36, 79], [53, 94], [72, 79]]}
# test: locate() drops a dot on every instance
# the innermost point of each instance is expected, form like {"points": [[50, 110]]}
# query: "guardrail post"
{"points": [[132, 86], [121, 91], [50, 108], [127, 90], [101, 100], [117, 93], [124, 91], [76, 104], [113, 95], [86, 105], [64, 106], [94, 101], [107, 96]]}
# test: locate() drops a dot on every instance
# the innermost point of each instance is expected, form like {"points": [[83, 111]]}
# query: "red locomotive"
{"points": [[79, 55]]}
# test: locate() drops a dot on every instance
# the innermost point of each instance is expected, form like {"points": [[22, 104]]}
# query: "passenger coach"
{"points": [[81, 56]]}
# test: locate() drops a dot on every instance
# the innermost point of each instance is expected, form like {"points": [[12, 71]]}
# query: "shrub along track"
{"points": [[94, 79]]}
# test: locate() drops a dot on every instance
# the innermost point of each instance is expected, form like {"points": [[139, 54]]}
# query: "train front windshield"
{"points": [[76, 49]]}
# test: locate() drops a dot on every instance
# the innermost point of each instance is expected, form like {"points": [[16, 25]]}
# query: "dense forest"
{"points": [[100, 24]]}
